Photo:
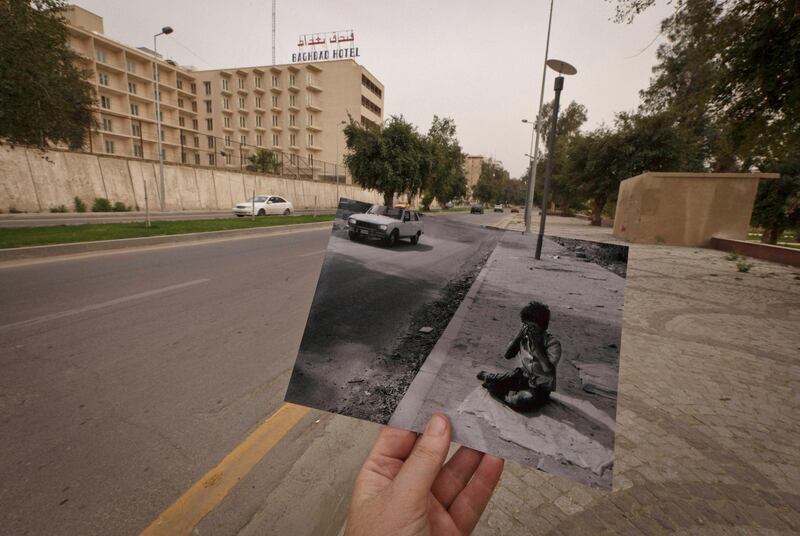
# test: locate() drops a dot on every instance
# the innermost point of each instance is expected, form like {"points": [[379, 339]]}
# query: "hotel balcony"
{"points": [[313, 107]]}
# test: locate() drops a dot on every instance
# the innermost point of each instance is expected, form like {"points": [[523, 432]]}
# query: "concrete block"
{"points": [[238, 191], [117, 178], [45, 168], [140, 172], [188, 188], [172, 194], [222, 187], [205, 188], [16, 185], [82, 173]]}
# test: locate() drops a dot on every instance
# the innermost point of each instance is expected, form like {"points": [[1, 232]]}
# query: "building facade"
{"points": [[220, 117]]}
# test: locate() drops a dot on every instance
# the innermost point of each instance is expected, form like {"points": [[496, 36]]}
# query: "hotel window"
{"points": [[240, 81], [309, 100], [100, 54], [197, 141], [310, 160], [136, 130], [274, 81], [102, 78], [292, 120], [258, 120], [226, 122], [181, 121], [209, 124], [275, 140], [259, 140], [367, 83], [226, 103], [208, 106], [105, 102], [109, 147], [274, 101], [132, 88], [293, 159], [107, 124], [162, 134], [211, 159], [257, 81], [228, 158], [158, 95], [197, 159], [161, 116], [241, 103], [137, 150], [131, 66], [194, 106], [258, 102], [292, 79], [179, 84], [310, 140], [210, 142], [194, 88], [134, 109], [227, 139], [207, 87], [274, 120], [292, 100], [243, 140], [180, 102], [242, 121], [293, 140], [225, 84], [194, 124], [310, 121]]}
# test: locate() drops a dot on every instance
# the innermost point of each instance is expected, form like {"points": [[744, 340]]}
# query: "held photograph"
{"points": [[415, 314]]}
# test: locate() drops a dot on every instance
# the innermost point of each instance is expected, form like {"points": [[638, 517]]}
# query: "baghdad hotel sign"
{"points": [[325, 46]]}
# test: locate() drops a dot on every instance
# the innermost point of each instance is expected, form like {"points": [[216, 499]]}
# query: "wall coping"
{"points": [[680, 175]]}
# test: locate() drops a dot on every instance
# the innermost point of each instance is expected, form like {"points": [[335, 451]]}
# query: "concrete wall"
{"points": [[35, 181], [686, 209]]}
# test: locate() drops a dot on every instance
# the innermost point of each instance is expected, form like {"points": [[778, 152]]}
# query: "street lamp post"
{"points": [[166, 30], [336, 164], [535, 152], [562, 68], [531, 163]]}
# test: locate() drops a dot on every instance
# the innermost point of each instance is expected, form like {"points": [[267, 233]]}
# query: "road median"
{"points": [[77, 247]]}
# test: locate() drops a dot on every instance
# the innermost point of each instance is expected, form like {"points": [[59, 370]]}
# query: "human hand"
{"points": [[403, 488]]}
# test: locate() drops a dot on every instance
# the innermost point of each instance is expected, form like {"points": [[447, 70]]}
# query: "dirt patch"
{"points": [[376, 395], [610, 256]]}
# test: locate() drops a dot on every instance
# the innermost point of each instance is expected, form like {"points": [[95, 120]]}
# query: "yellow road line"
{"points": [[208, 492]]}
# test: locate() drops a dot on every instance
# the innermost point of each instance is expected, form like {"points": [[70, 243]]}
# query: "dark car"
{"points": [[476, 209]]}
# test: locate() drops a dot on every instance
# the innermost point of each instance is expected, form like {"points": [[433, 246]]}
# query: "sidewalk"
{"points": [[707, 428]]}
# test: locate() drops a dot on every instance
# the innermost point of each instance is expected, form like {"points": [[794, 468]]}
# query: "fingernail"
{"points": [[436, 426]]}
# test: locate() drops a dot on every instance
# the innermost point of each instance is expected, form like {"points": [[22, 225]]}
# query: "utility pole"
{"points": [[166, 30], [535, 153], [274, 11]]}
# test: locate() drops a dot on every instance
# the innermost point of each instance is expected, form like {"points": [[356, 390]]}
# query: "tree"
{"points": [[491, 186], [389, 159], [777, 206], [445, 178], [570, 120], [44, 95], [264, 161]]}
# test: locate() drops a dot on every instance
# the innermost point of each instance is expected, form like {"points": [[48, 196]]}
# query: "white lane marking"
{"points": [[313, 253], [94, 307]]}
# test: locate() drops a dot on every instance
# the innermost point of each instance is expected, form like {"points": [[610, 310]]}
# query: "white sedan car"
{"points": [[263, 205]]}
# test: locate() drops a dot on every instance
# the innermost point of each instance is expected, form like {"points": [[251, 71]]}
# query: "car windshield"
{"points": [[380, 210], [258, 199]]}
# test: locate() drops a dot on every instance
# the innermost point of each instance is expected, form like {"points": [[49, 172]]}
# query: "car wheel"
{"points": [[391, 238], [353, 236], [287, 212], [240, 215], [415, 239], [262, 212]]}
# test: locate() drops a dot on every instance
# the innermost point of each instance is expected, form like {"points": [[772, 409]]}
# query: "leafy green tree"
{"points": [[570, 120], [264, 161], [44, 95], [391, 158], [445, 166], [491, 185], [777, 206]]}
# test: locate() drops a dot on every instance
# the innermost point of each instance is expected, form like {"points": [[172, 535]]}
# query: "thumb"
{"points": [[425, 461]]}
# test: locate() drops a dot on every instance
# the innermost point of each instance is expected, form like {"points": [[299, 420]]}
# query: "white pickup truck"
{"points": [[385, 223]]}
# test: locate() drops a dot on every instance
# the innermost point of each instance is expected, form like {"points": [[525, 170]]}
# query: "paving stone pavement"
{"points": [[707, 426]]}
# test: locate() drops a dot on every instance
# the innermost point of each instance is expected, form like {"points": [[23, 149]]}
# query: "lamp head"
{"points": [[561, 67], [166, 30]]}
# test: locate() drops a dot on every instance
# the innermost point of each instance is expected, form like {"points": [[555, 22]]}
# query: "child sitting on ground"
{"points": [[528, 387]]}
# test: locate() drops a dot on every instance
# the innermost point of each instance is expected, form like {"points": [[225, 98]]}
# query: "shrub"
{"points": [[59, 208], [80, 206], [743, 266], [101, 204], [119, 206], [732, 257]]}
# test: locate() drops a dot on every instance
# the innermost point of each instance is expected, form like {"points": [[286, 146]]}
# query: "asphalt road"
{"points": [[127, 376], [45, 220]]}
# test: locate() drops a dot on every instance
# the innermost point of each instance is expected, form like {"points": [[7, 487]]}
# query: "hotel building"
{"points": [[219, 117]]}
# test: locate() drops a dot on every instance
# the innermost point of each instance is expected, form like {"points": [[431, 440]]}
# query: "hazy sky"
{"points": [[477, 62]]}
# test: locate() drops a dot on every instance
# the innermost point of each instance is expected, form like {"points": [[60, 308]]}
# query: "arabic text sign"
{"points": [[326, 46]]}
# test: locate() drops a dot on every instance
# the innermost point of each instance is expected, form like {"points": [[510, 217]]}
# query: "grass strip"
{"points": [[67, 234]]}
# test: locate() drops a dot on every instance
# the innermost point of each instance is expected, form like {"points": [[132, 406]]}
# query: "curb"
{"points": [[38, 252]]}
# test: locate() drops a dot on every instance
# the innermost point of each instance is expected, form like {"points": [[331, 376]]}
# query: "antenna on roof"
{"points": [[274, 2]]}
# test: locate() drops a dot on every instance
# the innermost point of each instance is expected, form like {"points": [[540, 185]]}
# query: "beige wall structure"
{"points": [[220, 117], [686, 209], [472, 170]]}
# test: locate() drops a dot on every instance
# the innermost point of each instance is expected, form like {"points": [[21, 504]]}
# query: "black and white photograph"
{"points": [[416, 314]]}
